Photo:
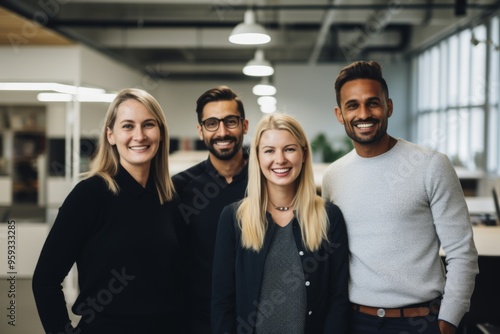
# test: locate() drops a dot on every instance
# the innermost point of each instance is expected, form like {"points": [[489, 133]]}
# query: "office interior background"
{"points": [[441, 60]]}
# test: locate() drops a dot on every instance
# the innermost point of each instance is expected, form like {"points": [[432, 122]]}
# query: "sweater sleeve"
{"points": [[223, 282], [326, 191], [454, 230], [59, 253], [338, 311]]}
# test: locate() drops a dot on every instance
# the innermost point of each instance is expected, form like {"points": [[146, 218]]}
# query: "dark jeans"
{"points": [[367, 324]]}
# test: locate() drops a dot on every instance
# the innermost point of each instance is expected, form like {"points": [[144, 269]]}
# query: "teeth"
{"points": [[365, 125], [138, 148], [281, 170], [223, 143]]}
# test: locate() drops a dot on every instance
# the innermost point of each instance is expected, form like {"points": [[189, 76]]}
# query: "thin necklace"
{"points": [[280, 208]]}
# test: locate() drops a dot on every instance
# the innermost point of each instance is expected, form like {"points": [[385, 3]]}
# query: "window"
{"points": [[457, 97], [493, 91]]}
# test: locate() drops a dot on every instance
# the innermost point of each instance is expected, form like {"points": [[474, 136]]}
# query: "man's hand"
{"points": [[446, 327]]}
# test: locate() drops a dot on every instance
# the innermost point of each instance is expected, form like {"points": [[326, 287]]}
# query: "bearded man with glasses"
{"points": [[206, 188]]}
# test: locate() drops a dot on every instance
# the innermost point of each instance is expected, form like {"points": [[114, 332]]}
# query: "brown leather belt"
{"points": [[403, 312]]}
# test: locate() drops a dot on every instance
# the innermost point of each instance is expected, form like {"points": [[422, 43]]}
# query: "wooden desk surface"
{"points": [[487, 240], [480, 205]]}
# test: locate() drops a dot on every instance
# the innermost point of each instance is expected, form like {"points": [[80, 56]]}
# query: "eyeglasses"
{"points": [[212, 124]]}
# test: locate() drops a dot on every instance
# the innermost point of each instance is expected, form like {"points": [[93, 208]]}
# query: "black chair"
{"points": [[483, 316], [487, 328]]}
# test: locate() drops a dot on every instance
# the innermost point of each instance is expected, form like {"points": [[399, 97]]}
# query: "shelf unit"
{"points": [[23, 148], [28, 146]]}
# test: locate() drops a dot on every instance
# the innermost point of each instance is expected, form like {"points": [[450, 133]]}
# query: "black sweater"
{"points": [[126, 248], [204, 193]]}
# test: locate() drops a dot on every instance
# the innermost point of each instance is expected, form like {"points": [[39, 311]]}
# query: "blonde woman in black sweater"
{"points": [[120, 226]]}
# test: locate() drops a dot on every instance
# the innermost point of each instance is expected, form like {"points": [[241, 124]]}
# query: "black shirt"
{"points": [[204, 193], [126, 249]]}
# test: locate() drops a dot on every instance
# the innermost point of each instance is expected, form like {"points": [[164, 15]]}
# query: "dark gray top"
{"points": [[282, 302]]}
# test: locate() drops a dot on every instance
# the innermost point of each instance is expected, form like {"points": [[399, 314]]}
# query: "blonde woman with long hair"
{"points": [[281, 257], [121, 227]]}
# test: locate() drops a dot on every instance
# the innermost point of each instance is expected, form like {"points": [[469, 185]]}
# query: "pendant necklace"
{"points": [[280, 208]]}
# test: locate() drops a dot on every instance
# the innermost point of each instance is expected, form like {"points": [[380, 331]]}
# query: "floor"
{"points": [[26, 315]]}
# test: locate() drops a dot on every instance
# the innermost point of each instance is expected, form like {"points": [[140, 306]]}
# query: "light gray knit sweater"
{"points": [[399, 208]]}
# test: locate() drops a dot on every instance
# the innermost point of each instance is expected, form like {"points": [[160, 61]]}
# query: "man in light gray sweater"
{"points": [[401, 202]]}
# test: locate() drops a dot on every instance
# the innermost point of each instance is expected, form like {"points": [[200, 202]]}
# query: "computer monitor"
{"points": [[497, 206]]}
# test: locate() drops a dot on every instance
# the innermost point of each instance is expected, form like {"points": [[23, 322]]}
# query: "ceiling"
{"points": [[188, 39]]}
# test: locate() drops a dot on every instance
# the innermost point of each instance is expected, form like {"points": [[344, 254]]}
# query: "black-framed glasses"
{"points": [[212, 124]]}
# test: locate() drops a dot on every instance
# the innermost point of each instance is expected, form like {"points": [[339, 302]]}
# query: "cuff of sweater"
{"points": [[451, 314]]}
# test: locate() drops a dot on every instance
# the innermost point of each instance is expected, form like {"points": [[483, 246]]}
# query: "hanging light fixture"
{"points": [[268, 108], [264, 88], [258, 66], [249, 32], [266, 100], [267, 104]]}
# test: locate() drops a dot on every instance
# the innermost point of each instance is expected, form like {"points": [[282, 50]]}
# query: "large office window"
{"points": [[493, 152], [457, 97]]}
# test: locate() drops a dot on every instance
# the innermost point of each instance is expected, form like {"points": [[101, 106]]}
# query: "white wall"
{"points": [[102, 71], [306, 92], [397, 75], [43, 64], [178, 100]]}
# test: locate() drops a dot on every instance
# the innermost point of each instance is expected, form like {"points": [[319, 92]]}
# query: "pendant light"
{"points": [[258, 66], [264, 88], [249, 32], [267, 104]]}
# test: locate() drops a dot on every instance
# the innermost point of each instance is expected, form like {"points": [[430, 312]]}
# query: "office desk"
{"points": [[469, 180], [485, 301], [480, 205], [487, 240], [181, 160]]}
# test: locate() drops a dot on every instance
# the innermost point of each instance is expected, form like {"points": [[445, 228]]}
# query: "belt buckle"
{"points": [[381, 313]]}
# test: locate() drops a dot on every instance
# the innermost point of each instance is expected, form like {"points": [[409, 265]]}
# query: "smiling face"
{"points": [[136, 135], [280, 158], [224, 143], [364, 111]]}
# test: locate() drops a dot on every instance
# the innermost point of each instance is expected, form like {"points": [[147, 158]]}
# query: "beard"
{"points": [[225, 153], [367, 139]]}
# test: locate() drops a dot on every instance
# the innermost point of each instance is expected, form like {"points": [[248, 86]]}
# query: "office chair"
{"points": [[497, 205], [487, 328]]}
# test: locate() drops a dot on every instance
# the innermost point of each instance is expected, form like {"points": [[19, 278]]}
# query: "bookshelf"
{"points": [[23, 147]]}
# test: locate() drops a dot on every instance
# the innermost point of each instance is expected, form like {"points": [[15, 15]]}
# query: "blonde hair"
{"points": [[309, 207], [107, 160]]}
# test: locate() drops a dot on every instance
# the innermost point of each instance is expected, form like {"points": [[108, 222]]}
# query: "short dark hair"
{"points": [[360, 70], [220, 93]]}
